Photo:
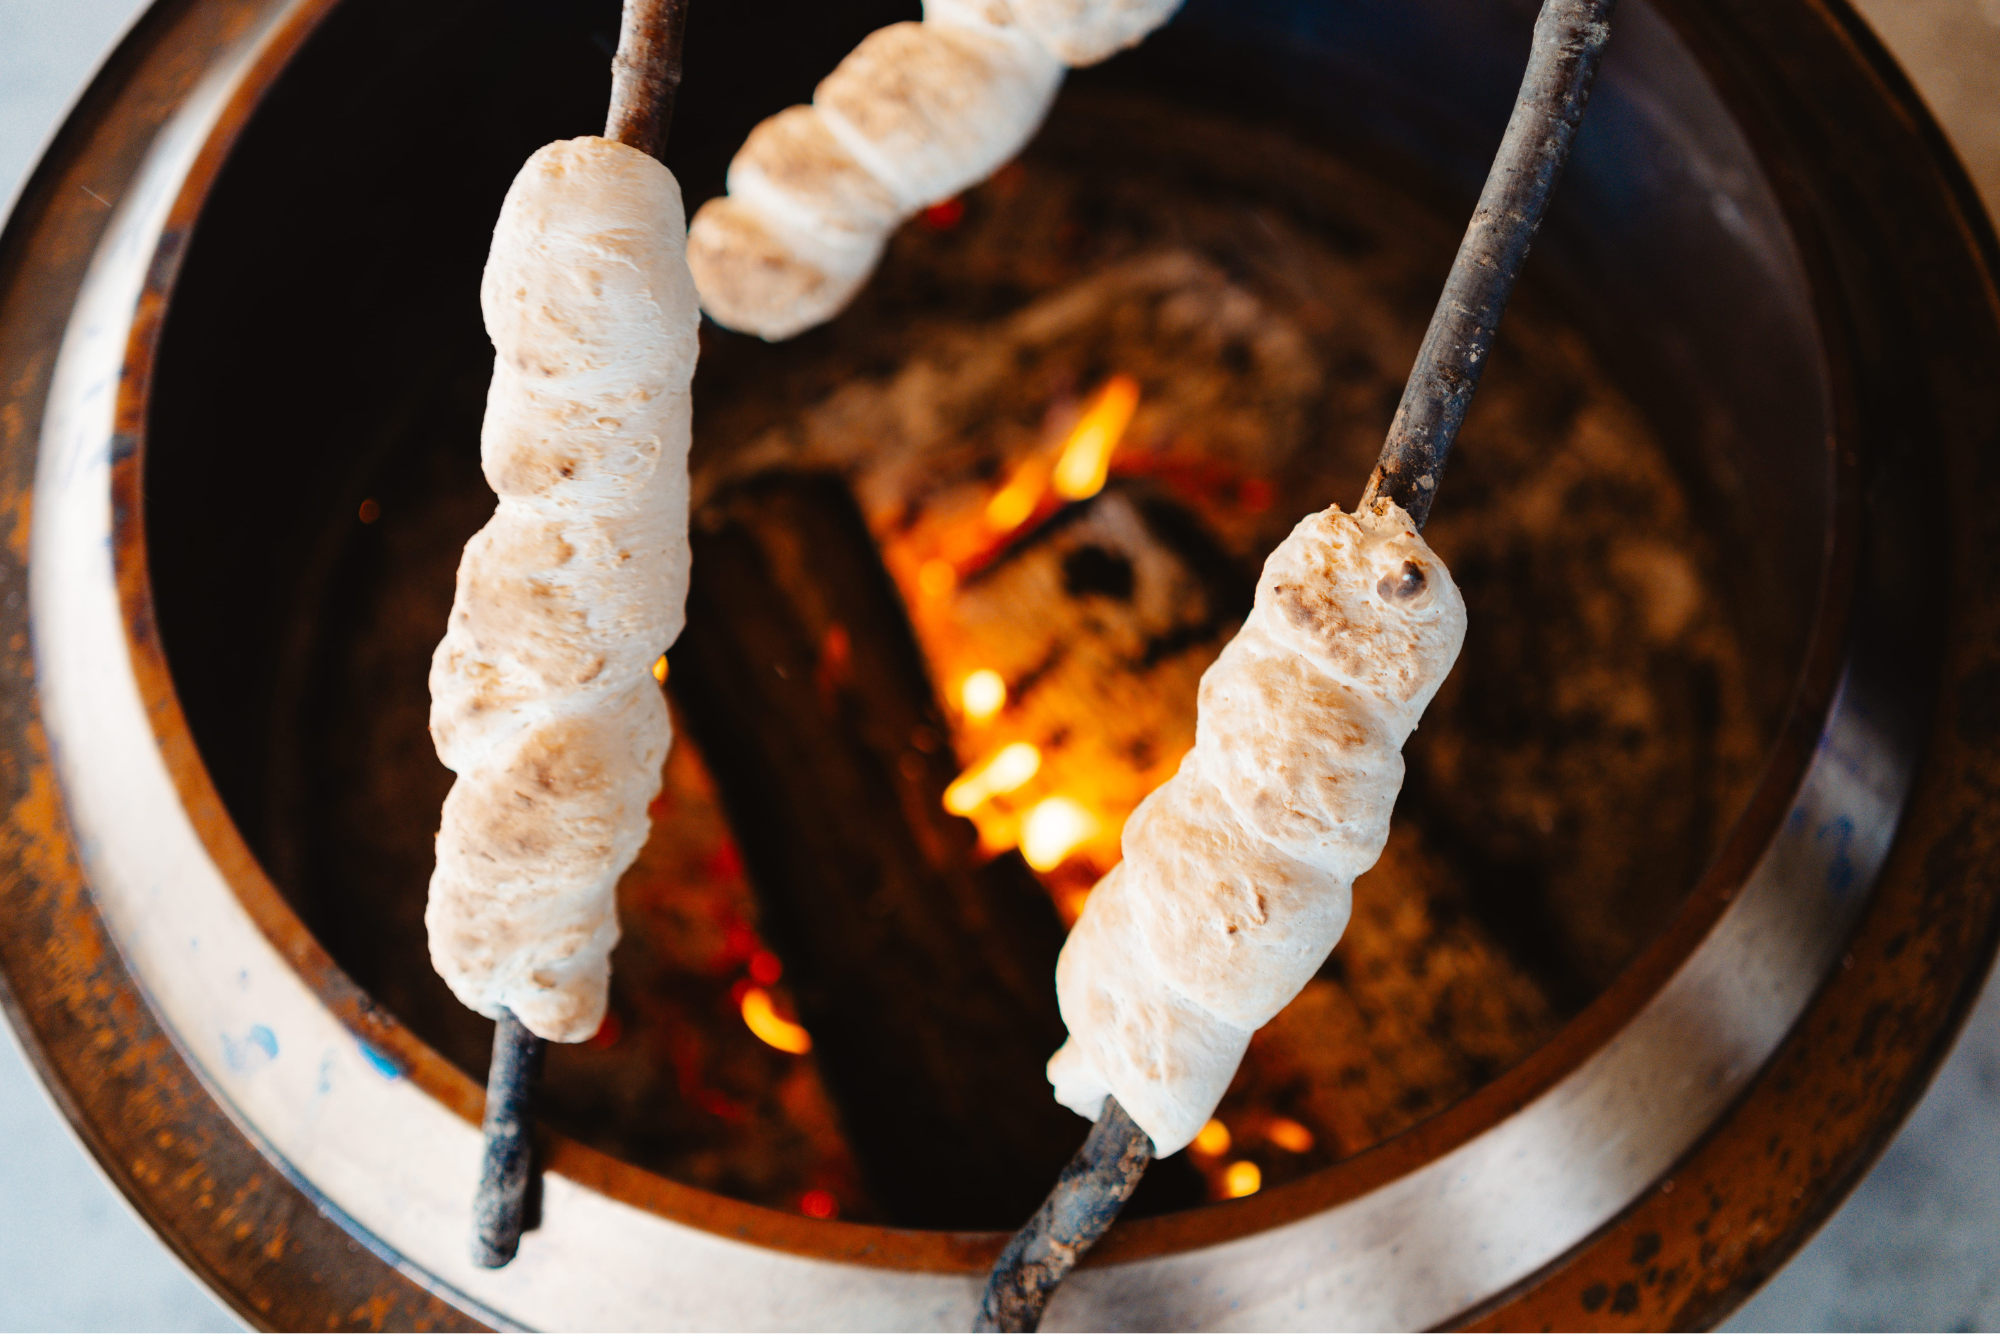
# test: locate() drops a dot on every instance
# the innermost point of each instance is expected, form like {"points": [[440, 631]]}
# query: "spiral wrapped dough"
{"points": [[543, 700], [912, 116], [1238, 872]]}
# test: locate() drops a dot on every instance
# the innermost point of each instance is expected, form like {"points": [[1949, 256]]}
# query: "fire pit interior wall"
{"points": [[937, 647]]}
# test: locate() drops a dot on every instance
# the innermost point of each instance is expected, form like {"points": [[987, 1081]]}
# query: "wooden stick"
{"points": [[1562, 63], [645, 74], [1569, 38], [1081, 1208], [505, 1172]]}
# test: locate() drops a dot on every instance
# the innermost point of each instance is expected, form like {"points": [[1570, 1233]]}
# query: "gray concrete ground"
{"points": [[1914, 1248]]}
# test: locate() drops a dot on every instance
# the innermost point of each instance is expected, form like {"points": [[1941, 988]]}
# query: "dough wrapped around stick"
{"points": [[543, 700], [912, 116], [1238, 872]]}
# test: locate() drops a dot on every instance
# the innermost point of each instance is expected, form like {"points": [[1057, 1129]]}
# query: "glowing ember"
{"points": [[981, 695], [945, 216], [1086, 455], [1052, 831], [1008, 769], [819, 1204], [1242, 1178], [1289, 1135], [1213, 1140], [660, 670], [772, 1028], [607, 1034], [765, 967], [370, 510]]}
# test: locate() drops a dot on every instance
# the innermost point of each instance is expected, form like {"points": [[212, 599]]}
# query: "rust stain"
{"points": [[371, 1314]]}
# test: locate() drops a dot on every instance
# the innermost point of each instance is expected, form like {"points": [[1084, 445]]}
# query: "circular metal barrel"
{"points": [[1774, 249]]}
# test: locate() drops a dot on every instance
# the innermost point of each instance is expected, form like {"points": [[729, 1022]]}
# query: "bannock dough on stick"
{"points": [[912, 116], [543, 700], [1238, 872]]}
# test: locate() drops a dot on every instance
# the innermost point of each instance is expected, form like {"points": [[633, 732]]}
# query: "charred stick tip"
{"points": [[1569, 37], [499, 1209], [646, 73], [1081, 1208]]}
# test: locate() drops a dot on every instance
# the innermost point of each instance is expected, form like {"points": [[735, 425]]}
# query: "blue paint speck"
{"points": [[385, 1065], [257, 1047], [1840, 873]]}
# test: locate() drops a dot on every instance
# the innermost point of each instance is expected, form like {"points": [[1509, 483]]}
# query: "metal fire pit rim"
{"points": [[870, 1244]]}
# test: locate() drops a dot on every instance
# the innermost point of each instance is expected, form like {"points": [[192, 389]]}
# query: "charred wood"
{"points": [[921, 969]]}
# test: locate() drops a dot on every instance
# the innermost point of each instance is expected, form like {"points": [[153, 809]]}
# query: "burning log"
{"points": [[920, 966]]}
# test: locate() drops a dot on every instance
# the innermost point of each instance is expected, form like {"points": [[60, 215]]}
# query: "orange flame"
{"points": [[1086, 455], [936, 577], [1082, 465], [1053, 830], [982, 695], [1007, 769], [1014, 504]]}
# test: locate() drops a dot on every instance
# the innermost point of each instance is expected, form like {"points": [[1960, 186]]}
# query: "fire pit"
{"points": [[960, 559], [1605, 735]]}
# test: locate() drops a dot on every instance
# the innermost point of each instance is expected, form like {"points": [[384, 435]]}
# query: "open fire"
{"points": [[999, 792]]}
